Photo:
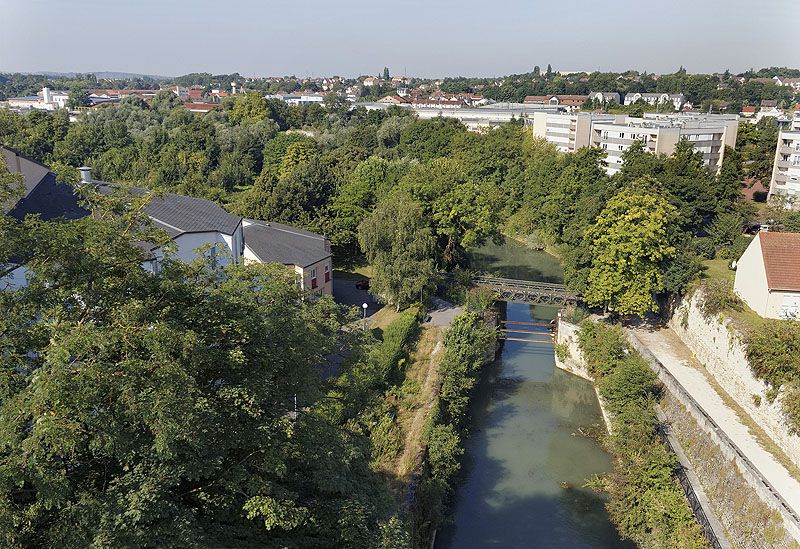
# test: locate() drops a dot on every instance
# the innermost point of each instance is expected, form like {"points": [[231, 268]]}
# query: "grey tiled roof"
{"points": [[177, 214], [277, 243], [186, 214], [42, 194]]}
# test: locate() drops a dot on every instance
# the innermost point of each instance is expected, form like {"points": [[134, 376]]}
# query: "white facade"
{"points": [[46, 100], [786, 168], [568, 132], [751, 285], [708, 134], [677, 99]]}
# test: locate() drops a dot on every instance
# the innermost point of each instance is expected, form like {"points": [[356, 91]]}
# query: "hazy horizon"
{"points": [[411, 37]]}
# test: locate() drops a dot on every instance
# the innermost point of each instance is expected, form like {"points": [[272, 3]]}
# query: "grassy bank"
{"points": [[645, 501], [466, 343]]}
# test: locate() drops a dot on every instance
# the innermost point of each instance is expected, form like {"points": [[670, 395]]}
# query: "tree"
{"points": [[386, 75], [250, 107], [148, 409], [399, 246], [549, 72], [628, 242], [77, 98]]}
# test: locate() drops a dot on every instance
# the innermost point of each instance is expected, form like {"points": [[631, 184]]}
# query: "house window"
{"points": [[327, 273], [212, 257], [622, 136], [313, 278]]}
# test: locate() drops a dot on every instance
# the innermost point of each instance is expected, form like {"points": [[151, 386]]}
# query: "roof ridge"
{"points": [[26, 157]]}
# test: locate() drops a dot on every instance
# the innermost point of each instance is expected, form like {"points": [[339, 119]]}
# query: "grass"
{"points": [[384, 317], [718, 269]]}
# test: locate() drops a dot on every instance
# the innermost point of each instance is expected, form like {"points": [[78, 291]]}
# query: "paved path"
{"points": [[443, 312], [677, 358]]}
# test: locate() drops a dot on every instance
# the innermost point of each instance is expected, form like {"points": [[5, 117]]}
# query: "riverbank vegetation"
{"points": [[468, 343], [645, 501], [343, 172]]}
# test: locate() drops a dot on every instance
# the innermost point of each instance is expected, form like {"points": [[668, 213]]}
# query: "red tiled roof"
{"points": [[748, 108], [781, 254]]}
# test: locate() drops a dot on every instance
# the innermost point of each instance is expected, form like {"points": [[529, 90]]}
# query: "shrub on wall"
{"points": [[773, 351], [645, 501], [718, 296]]}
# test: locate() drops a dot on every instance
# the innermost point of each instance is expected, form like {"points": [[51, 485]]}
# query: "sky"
{"points": [[426, 38]]}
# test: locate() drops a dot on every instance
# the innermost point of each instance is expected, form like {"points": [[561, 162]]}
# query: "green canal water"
{"points": [[526, 460]]}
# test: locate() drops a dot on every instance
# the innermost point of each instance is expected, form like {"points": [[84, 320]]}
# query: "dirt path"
{"points": [[425, 370], [678, 359]]}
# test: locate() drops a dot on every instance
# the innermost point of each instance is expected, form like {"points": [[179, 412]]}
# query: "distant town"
{"points": [[628, 108]]}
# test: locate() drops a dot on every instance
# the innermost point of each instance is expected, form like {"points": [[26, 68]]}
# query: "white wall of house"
{"points": [[227, 247], [751, 285], [751, 278]]}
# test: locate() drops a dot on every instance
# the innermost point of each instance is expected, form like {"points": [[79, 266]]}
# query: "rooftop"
{"points": [[277, 243], [781, 254]]}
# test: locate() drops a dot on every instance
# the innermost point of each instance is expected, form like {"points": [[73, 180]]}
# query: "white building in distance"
{"points": [[785, 180]]}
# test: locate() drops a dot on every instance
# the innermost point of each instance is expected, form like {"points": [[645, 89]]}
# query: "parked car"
{"points": [[362, 284]]}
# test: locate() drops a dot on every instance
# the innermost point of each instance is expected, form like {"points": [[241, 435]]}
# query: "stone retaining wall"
{"points": [[732, 453], [720, 349]]}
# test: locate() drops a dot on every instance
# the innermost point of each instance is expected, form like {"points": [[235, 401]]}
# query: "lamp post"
{"points": [[364, 318]]}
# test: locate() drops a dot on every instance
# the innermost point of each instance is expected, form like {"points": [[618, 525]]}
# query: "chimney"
{"points": [[86, 174], [46, 95]]}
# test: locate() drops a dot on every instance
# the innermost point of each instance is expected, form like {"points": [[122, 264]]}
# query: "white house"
{"points": [[677, 99], [768, 275], [193, 224], [308, 253]]}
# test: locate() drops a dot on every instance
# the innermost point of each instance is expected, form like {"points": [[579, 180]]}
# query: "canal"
{"points": [[527, 458]]}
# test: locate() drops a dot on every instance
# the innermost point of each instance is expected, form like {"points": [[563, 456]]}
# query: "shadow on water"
{"points": [[526, 462], [513, 260]]}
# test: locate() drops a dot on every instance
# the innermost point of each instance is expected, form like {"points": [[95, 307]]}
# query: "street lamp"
{"points": [[364, 306]]}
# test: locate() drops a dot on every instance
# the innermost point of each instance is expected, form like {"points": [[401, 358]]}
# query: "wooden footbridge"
{"points": [[529, 332], [525, 291]]}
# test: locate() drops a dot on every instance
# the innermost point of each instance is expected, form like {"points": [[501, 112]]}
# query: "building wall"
{"points": [[786, 169], [751, 278], [188, 244], [323, 287]]}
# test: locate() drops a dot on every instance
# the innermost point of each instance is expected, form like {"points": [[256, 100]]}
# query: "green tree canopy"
{"points": [[628, 242], [399, 246]]}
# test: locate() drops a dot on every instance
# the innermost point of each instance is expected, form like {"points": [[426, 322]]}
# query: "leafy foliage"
{"points": [[645, 501]]}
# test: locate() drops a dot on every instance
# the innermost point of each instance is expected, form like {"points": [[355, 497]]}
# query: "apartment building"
{"points": [[786, 169], [661, 137], [660, 133], [568, 132]]}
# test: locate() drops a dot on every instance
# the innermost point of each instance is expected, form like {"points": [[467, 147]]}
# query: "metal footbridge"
{"points": [[525, 291]]}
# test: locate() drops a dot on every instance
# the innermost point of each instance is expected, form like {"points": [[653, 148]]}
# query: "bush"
{"points": [[465, 342], [703, 247], [396, 338], [603, 347], [718, 296], [480, 299], [386, 439], [734, 251], [645, 501], [773, 351]]}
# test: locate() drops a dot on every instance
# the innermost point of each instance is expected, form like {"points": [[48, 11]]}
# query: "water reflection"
{"points": [[513, 260], [525, 461]]}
